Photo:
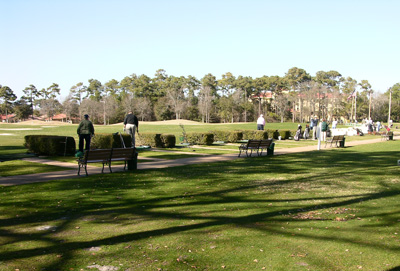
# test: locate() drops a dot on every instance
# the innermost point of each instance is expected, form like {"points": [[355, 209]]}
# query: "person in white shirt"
{"points": [[260, 122], [334, 123]]}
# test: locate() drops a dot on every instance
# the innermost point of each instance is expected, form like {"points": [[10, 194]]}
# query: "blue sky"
{"points": [[66, 42]]}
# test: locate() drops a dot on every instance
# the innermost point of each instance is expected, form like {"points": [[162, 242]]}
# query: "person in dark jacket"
{"points": [[131, 125], [85, 132], [324, 129]]}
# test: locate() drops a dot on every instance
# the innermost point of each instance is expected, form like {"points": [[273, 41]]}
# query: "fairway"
{"points": [[330, 210]]}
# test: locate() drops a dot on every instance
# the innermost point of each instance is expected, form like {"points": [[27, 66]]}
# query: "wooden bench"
{"points": [[122, 154], [385, 135], [337, 139], [105, 156], [264, 146], [255, 145], [94, 156]]}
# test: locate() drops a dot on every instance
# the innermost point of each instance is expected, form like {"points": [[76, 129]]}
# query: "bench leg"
{"points": [[82, 166], [251, 152], [109, 166]]}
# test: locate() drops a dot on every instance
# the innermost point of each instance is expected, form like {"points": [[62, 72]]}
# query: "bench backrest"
{"points": [[253, 143], [340, 137], [334, 138], [99, 154], [265, 143], [124, 153]]}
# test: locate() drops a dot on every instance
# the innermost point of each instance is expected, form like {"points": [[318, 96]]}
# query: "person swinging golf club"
{"points": [[131, 125]]}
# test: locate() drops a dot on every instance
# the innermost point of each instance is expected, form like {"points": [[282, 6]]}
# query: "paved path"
{"points": [[154, 164]]}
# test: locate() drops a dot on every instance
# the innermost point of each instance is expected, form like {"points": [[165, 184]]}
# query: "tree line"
{"points": [[295, 97]]}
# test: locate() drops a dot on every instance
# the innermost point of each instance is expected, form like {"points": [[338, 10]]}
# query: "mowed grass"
{"points": [[327, 210], [19, 167], [12, 139]]}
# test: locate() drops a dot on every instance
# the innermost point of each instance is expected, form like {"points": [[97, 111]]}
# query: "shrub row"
{"points": [[50, 145], [200, 138], [108, 141], [234, 136], [55, 145], [158, 140]]}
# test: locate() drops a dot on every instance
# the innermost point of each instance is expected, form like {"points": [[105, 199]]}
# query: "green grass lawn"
{"points": [[19, 167], [12, 139], [331, 210]]}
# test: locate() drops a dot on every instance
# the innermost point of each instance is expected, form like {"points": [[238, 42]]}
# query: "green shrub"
{"points": [[254, 134], [50, 145], [200, 138], [235, 136], [108, 141], [285, 134], [151, 139], [168, 140], [275, 134], [101, 141], [227, 136]]}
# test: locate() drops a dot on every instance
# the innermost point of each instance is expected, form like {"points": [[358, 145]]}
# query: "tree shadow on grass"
{"points": [[225, 183], [8, 153]]}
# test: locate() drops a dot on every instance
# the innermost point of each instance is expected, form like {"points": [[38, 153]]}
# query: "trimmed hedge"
{"points": [[254, 134], [285, 134], [151, 139], [168, 140], [108, 141], [50, 145], [200, 138], [227, 136], [273, 133]]}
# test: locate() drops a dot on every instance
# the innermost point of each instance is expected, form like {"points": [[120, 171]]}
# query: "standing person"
{"points": [[315, 125], [334, 124], [85, 131], [131, 125], [298, 133], [260, 122], [324, 129], [370, 126], [306, 134], [378, 126]]}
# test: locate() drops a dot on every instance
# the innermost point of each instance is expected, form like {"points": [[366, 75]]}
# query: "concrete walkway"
{"points": [[154, 164]]}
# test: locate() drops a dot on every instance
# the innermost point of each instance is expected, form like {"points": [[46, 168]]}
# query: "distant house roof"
{"points": [[59, 117], [10, 116], [264, 95]]}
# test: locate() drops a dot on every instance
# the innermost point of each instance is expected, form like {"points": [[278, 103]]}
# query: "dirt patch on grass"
{"points": [[41, 122]]}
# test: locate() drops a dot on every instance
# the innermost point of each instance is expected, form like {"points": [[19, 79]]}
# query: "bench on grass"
{"points": [[265, 145], [337, 139], [105, 156], [256, 145], [385, 135], [122, 154]]}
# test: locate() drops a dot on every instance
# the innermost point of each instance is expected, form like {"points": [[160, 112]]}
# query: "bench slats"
{"points": [[335, 139], [254, 145], [105, 156]]}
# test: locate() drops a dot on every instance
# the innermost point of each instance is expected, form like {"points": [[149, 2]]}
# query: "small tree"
{"points": [[31, 94], [7, 96]]}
